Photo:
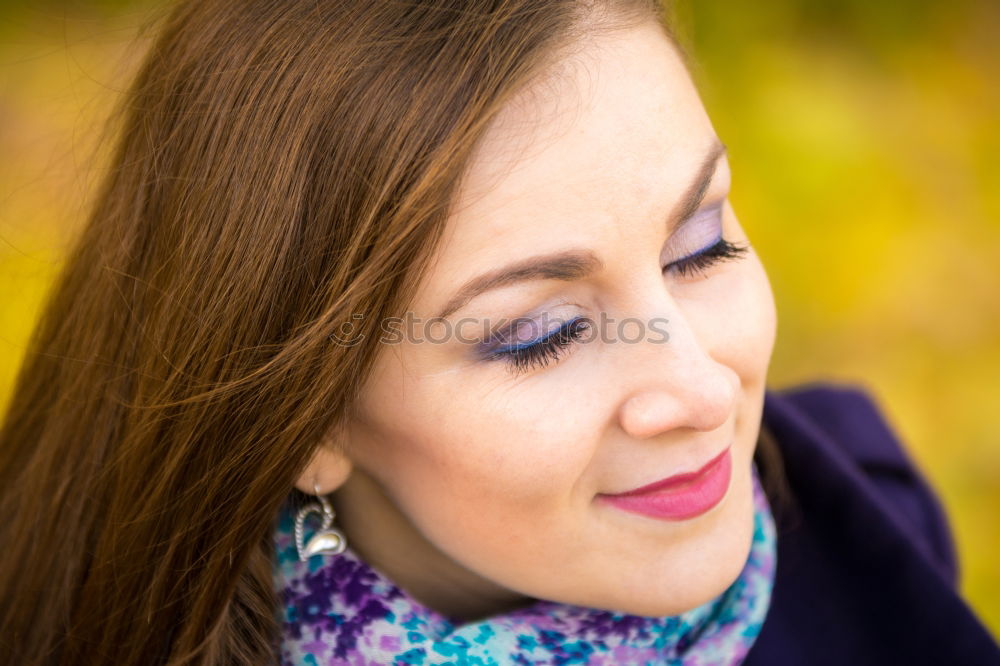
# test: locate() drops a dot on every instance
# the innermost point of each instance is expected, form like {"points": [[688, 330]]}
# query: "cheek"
{"points": [[476, 459], [736, 321], [759, 314]]}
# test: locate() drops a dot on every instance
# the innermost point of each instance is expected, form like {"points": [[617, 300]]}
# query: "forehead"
{"points": [[613, 136]]}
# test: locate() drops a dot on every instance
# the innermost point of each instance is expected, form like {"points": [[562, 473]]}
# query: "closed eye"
{"points": [[539, 353], [699, 262]]}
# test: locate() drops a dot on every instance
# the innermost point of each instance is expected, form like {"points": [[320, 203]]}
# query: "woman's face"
{"points": [[493, 461]]}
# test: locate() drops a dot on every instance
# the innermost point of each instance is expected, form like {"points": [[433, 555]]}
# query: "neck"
{"points": [[388, 541]]}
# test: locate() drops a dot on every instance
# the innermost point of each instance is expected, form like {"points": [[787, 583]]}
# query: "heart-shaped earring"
{"points": [[327, 540]]}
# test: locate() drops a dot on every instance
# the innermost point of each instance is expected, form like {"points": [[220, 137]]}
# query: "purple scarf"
{"points": [[339, 610]]}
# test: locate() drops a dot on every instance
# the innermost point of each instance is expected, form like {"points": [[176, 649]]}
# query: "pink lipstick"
{"points": [[679, 496]]}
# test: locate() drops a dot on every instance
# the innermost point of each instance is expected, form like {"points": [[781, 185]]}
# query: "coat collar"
{"points": [[866, 568]]}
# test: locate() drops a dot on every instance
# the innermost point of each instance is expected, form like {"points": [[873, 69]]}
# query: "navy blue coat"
{"points": [[866, 570]]}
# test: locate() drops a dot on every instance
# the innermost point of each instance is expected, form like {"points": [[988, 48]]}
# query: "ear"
{"points": [[328, 469]]}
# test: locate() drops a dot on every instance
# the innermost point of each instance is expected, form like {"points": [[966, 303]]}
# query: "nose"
{"points": [[676, 384]]}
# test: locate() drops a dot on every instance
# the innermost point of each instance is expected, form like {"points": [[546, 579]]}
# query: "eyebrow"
{"points": [[576, 264]]}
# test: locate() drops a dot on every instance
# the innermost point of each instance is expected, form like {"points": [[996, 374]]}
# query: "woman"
{"points": [[425, 333]]}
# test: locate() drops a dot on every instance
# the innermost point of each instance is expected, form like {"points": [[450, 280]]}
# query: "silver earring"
{"points": [[327, 540]]}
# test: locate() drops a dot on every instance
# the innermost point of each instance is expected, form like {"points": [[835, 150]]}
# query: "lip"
{"points": [[679, 496]]}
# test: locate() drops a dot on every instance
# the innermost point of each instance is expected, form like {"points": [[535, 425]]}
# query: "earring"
{"points": [[327, 540]]}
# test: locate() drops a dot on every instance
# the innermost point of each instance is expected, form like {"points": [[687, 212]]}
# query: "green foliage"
{"points": [[862, 137]]}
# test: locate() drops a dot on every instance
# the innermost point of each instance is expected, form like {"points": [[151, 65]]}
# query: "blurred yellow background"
{"points": [[864, 140]]}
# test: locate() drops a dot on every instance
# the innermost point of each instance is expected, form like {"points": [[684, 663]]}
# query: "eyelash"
{"points": [[540, 353], [703, 259]]}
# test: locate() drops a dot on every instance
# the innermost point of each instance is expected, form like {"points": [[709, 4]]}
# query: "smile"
{"points": [[680, 496]]}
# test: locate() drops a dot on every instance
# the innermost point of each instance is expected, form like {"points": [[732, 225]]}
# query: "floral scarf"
{"points": [[339, 610]]}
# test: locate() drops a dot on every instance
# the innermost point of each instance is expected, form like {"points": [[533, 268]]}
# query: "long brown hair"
{"points": [[279, 165]]}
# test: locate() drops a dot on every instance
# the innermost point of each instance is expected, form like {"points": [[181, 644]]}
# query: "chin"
{"points": [[709, 566]]}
